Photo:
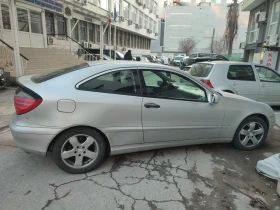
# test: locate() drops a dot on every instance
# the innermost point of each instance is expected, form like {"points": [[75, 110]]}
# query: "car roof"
{"points": [[120, 64]]}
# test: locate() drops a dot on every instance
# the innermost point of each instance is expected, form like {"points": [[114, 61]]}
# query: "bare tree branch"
{"points": [[219, 45], [188, 44]]}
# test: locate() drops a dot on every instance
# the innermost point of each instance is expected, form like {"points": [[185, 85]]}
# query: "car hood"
{"points": [[234, 96]]}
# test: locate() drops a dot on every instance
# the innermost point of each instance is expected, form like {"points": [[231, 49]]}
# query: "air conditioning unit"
{"points": [[151, 11], [50, 40], [156, 34], [140, 26], [136, 26], [129, 22], [156, 16], [140, 2], [121, 18], [85, 44], [148, 31], [261, 17], [144, 6], [90, 45], [85, 1], [242, 45]]}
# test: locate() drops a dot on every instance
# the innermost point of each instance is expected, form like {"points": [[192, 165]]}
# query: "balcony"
{"points": [[249, 5]]}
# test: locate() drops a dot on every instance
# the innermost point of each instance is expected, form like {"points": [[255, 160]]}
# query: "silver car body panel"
{"points": [[123, 119]]}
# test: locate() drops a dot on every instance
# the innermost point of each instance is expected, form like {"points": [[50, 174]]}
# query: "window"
{"points": [[241, 72], [201, 69], [74, 34], [22, 16], [154, 26], [97, 33], [151, 4], [5, 17], [83, 30], [133, 14], [161, 84], [118, 6], [146, 25], [155, 8], [151, 24], [49, 23], [147, 3], [121, 38], [104, 4], [117, 37], [140, 18], [275, 15], [91, 32], [36, 22], [126, 10], [106, 36], [112, 37], [254, 28], [125, 82], [128, 40], [61, 25], [267, 75]]}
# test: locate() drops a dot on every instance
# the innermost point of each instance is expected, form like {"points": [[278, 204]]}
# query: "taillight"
{"points": [[24, 102], [207, 82]]}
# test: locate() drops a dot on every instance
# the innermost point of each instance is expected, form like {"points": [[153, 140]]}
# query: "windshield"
{"points": [[201, 69], [189, 61], [178, 58]]}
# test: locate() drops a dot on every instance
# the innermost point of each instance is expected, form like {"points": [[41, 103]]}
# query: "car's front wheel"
{"points": [[79, 150], [250, 134]]}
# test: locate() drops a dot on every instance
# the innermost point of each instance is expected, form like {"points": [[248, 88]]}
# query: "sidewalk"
{"points": [[6, 106]]}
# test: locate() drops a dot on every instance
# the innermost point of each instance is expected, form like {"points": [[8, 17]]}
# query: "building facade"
{"points": [[51, 24], [263, 32], [199, 20]]}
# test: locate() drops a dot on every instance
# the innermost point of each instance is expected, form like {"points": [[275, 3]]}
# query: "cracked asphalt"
{"points": [[178, 178]]}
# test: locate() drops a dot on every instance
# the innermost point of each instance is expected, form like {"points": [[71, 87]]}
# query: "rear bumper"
{"points": [[31, 137]]}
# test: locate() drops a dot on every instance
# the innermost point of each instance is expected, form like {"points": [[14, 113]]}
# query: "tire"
{"points": [[79, 150], [252, 130]]}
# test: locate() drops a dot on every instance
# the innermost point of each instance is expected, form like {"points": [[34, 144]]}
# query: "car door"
{"points": [[269, 85], [243, 80], [176, 108]]}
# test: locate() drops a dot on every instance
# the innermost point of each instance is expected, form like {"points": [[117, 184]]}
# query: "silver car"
{"points": [[254, 81], [84, 112]]}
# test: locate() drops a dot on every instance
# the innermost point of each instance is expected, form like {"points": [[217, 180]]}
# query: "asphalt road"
{"points": [[170, 179]]}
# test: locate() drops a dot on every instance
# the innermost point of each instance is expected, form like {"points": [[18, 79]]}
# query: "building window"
{"points": [[151, 4], [155, 8], [121, 38], [140, 18], [49, 23], [254, 29], [22, 16], [74, 34], [91, 32], [128, 40], [83, 30], [151, 24], [133, 14], [5, 16], [275, 15], [126, 10], [112, 37], [97, 29], [117, 37], [147, 3], [104, 4], [155, 27], [118, 7], [146, 25], [61, 25], [36, 22], [106, 36]]}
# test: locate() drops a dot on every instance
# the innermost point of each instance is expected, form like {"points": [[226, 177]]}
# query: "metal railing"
{"points": [[82, 51], [8, 58]]}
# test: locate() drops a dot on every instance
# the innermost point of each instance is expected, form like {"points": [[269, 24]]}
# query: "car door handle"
{"points": [[263, 85], [152, 105]]}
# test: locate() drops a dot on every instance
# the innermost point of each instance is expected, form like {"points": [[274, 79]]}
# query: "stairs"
{"points": [[43, 60]]}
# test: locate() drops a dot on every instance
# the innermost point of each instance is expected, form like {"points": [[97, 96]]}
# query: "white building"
{"points": [[47, 23], [197, 20]]}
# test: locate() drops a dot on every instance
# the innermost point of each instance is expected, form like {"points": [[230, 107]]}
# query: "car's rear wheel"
{"points": [[79, 150], [250, 134]]}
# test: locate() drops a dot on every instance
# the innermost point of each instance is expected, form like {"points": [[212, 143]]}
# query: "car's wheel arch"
{"points": [[108, 146]]}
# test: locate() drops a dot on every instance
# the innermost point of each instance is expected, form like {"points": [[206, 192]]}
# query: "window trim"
{"points": [[269, 70], [257, 30], [145, 94], [138, 83], [273, 23], [238, 79]]}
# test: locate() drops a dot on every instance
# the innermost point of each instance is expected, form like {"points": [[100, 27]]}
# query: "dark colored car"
{"points": [[192, 60], [177, 59], [119, 55]]}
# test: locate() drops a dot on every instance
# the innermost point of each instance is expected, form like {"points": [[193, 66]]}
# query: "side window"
{"points": [[241, 72], [119, 82], [162, 84], [267, 75]]}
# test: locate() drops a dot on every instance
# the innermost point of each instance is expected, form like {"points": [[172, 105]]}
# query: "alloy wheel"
{"points": [[251, 134]]}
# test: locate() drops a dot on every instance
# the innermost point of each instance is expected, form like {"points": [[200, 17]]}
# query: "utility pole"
{"points": [[212, 42], [14, 27], [233, 26]]}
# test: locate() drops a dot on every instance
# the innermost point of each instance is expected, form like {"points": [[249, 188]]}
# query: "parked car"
{"points": [[117, 107], [106, 52], [181, 65], [253, 81], [177, 59], [188, 61], [197, 55], [3, 82], [164, 59]]}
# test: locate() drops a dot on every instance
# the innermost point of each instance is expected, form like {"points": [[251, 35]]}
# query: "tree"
{"points": [[187, 44], [219, 45], [232, 26]]}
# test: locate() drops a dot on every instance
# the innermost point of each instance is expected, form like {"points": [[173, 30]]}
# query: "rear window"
{"points": [[201, 69], [50, 75], [178, 58]]}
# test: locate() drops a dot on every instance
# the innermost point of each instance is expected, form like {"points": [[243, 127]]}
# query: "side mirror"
{"points": [[159, 83], [213, 99]]}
